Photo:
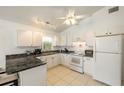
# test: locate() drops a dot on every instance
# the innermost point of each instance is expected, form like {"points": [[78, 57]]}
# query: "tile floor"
{"points": [[63, 76]]}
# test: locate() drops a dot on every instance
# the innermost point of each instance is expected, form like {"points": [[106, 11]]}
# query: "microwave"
{"points": [[89, 53]]}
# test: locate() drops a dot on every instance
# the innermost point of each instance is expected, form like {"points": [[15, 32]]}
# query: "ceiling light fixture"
{"points": [[38, 20], [71, 18]]}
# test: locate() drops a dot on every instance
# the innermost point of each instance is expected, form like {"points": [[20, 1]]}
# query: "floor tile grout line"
{"points": [[70, 73]]}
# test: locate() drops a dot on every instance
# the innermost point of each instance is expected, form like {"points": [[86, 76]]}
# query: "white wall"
{"points": [[102, 17], [8, 38]]}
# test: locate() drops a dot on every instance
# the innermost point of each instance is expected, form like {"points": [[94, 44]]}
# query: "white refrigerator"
{"points": [[108, 67]]}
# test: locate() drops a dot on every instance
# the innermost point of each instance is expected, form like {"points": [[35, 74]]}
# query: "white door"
{"points": [[107, 68], [36, 38], [24, 38], [88, 65], [68, 60], [110, 44]]}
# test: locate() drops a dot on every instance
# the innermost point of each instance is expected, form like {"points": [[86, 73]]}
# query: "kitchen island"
{"points": [[31, 71]]}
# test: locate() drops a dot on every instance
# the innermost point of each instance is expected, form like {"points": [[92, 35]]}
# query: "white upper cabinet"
{"points": [[29, 38], [24, 38], [56, 40], [66, 38], [69, 38], [63, 38], [105, 23], [36, 38], [119, 29]]}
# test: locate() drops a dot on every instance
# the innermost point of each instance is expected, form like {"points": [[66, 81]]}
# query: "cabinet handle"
{"points": [[106, 33], [110, 33]]}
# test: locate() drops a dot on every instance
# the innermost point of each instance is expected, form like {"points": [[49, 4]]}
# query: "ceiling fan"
{"points": [[71, 18], [38, 20]]}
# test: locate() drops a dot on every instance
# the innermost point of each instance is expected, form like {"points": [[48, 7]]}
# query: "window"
{"points": [[47, 43]]}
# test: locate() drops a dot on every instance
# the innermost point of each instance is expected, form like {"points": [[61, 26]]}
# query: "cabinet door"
{"points": [[33, 77], [100, 22], [37, 39], [63, 59], [68, 60], [114, 30], [49, 61], [24, 38], [63, 39], [108, 23], [100, 30], [69, 38], [45, 58], [88, 65], [58, 60], [55, 60]]}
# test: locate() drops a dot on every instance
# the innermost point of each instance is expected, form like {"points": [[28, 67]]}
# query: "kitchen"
{"points": [[64, 58]]}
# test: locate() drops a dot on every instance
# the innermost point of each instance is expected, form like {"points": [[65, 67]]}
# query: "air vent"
{"points": [[114, 9]]}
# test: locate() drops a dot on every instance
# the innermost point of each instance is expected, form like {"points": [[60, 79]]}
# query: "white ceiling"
{"points": [[24, 14]]}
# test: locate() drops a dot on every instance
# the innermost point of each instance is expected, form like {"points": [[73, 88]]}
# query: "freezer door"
{"points": [[107, 68], [109, 44]]}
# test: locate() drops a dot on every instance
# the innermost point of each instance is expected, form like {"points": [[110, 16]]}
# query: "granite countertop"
{"points": [[4, 78], [20, 63]]}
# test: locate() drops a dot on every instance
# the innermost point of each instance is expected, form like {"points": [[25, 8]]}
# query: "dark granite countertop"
{"points": [[13, 56], [20, 63]]}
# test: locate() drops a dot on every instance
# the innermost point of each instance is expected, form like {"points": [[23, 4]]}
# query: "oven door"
{"points": [[76, 61]]}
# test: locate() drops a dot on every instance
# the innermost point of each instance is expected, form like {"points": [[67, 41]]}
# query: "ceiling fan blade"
{"points": [[42, 23], [62, 18], [71, 13], [73, 21], [67, 22], [79, 16]]}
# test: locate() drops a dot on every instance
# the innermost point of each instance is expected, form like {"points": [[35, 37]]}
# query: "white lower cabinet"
{"points": [[51, 60], [88, 65], [34, 77], [65, 59], [56, 59]]}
